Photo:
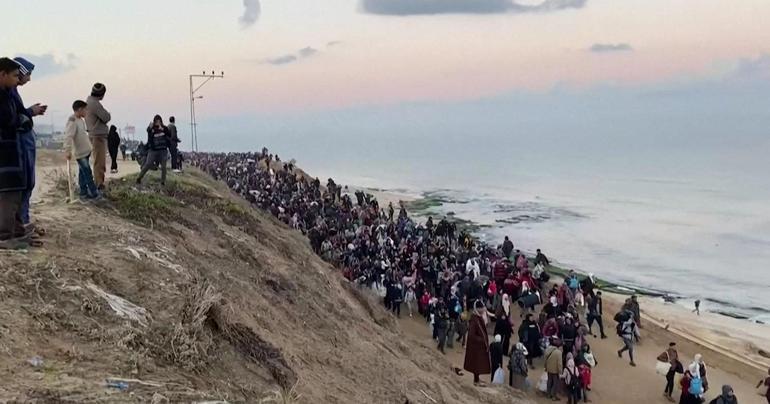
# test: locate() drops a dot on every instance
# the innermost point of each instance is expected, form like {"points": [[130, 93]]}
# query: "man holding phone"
{"points": [[27, 140]]}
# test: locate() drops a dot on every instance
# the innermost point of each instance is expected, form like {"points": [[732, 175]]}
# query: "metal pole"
{"points": [[193, 90]]}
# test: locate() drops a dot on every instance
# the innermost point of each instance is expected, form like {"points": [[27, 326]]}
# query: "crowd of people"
{"points": [[463, 289]]}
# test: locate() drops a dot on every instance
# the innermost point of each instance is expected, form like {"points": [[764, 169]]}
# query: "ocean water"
{"points": [[686, 220]]}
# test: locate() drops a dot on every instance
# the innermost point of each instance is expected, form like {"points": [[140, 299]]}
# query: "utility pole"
{"points": [[193, 124]]}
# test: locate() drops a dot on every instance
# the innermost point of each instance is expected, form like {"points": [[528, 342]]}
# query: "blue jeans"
{"points": [[28, 149], [86, 178]]}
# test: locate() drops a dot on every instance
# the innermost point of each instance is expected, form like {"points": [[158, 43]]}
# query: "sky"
{"points": [[290, 64]]}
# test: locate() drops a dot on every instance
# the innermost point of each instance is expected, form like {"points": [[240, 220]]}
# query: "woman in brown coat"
{"points": [[477, 348]]}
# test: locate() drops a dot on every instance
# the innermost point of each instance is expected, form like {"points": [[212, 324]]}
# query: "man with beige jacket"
{"points": [[97, 119], [77, 146]]}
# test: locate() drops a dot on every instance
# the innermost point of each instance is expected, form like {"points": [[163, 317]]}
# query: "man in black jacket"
{"points": [[12, 178], [173, 146], [508, 247], [158, 140], [595, 313]]}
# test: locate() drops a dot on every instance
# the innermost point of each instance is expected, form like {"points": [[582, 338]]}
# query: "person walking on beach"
{"points": [[173, 147], [113, 143], [12, 181], [507, 247], [477, 360], [595, 311], [541, 259], [529, 336], [158, 139], [518, 368], [572, 381], [672, 357], [629, 332], [697, 307], [496, 354], [727, 396], [27, 140], [97, 119], [78, 146], [123, 150], [765, 383], [553, 367]]}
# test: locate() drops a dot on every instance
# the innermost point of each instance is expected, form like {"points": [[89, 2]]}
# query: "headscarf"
{"points": [[570, 362], [695, 365], [498, 338], [481, 311], [727, 397], [521, 348]]}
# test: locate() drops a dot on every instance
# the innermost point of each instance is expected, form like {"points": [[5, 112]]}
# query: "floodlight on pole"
{"points": [[193, 90]]}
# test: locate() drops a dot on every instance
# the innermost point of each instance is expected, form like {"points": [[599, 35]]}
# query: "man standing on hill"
{"points": [[12, 181], [97, 119], [27, 139], [173, 146]]}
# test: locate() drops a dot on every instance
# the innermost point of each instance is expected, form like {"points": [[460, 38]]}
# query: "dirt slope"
{"points": [[197, 297]]}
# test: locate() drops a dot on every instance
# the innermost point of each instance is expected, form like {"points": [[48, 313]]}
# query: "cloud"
{"points": [[610, 47], [303, 53], [307, 52], [433, 7], [282, 60], [251, 11], [333, 43], [48, 65], [756, 68]]}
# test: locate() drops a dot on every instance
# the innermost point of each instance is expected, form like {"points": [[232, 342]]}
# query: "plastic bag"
{"points": [[499, 376], [662, 368], [542, 385]]}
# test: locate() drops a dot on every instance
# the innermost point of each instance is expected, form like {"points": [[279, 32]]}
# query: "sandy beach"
{"points": [[614, 380]]}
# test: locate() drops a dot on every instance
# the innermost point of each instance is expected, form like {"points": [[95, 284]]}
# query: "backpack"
{"points": [[621, 316], [696, 386], [574, 380]]}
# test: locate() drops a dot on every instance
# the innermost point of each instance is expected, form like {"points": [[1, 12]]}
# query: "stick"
{"points": [[428, 397], [69, 182]]}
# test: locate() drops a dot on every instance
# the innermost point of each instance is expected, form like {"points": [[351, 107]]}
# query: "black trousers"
{"points": [[595, 317], [174, 158], [114, 157], [670, 381]]}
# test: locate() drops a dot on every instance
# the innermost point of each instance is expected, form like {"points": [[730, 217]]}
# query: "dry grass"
{"points": [[190, 341], [283, 396]]}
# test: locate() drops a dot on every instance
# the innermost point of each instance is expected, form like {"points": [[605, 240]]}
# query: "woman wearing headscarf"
{"points": [[503, 325], [529, 336], [727, 397], [702, 371], [690, 374], [572, 380], [477, 349], [518, 367]]}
